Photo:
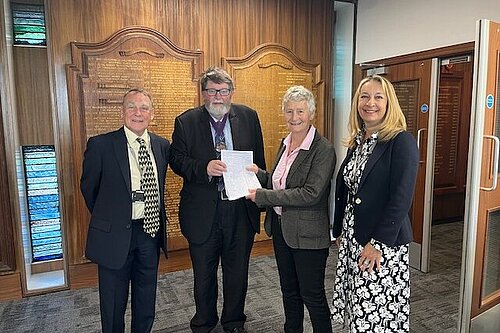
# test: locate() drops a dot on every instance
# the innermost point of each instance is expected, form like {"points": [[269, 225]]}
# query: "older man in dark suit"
{"points": [[216, 228], [122, 182]]}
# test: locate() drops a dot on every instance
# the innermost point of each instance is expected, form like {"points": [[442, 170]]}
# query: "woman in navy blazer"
{"points": [[297, 212], [374, 192]]}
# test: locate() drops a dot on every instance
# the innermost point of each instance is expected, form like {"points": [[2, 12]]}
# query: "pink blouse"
{"points": [[287, 158]]}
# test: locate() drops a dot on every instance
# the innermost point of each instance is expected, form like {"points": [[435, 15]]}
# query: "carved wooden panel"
{"points": [[261, 79], [98, 77]]}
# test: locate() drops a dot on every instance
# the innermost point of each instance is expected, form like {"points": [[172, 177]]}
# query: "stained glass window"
{"points": [[43, 202], [29, 24]]}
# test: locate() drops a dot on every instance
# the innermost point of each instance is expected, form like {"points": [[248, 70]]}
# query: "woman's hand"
{"points": [[369, 258], [251, 194], [338, 240], [253, 168]]}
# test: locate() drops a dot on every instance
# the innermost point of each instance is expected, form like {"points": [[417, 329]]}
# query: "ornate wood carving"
{"points": [[97, 78]]}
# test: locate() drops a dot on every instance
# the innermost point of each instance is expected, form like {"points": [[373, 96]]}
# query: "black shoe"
{"points": [[235, 330]]}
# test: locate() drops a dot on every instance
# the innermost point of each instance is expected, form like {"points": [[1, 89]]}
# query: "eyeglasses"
{"points": [[213, 92]]}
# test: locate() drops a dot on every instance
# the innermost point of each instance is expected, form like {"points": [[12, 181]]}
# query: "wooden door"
{"points": [[412, 82], [481, 274]]}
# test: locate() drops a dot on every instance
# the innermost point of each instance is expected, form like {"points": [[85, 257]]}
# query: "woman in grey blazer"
{"points": [[296, 201]]}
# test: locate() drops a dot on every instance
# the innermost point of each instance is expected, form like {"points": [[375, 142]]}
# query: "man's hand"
{"points": [[216, 168]]}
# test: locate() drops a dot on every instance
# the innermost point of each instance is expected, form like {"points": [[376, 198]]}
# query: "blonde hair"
{"points": [[394, 119]]}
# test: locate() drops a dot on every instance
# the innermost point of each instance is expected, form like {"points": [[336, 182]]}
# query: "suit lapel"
{"points": [[301, 157], [379, 149], [234, 121], [204, 128], [120, 148]]}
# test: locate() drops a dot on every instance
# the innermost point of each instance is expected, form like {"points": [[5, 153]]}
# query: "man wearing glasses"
{"points": [[215, 227]]}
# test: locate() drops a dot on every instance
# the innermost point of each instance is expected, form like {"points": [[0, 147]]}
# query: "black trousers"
{"points": [[140, 270], [230, 241], [302, 279]]}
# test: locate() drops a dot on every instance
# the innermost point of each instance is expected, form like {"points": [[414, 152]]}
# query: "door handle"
{"points": [[419, 137], [496, 151]]}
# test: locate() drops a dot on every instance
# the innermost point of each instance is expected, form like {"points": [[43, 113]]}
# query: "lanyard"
{"points": [[218, 126]]}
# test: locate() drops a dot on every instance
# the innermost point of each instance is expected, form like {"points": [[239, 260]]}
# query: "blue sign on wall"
{"points": [[424, 108], [489, 101]]}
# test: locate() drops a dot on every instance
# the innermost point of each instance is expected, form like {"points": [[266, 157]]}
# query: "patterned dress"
{"points": [[369, 302]]}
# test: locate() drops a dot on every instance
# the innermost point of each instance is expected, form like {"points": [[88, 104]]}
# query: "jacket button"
{"points": [[357, 201], [127, 226]]}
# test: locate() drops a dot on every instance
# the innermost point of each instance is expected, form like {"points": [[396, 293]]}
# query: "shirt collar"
{"points": [[306, 143], [132, 137]]}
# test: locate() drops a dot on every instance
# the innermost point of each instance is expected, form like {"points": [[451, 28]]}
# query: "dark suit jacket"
{"points": [[304, 220], [384, 195], [106, 188], [191, 150]]}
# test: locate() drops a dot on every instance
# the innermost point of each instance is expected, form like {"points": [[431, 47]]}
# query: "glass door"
{"points": [[480, 301], [415, 84]]}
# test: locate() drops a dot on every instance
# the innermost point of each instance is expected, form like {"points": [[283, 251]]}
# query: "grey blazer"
{"points": [[304, 220]]}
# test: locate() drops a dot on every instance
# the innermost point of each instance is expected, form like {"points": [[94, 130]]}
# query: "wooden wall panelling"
{"points": [[98, 77], [10, 259], [34, 112], [220, 28], [11, 287], [7, 247]]}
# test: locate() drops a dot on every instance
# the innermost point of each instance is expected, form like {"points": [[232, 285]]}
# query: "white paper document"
{"points": [[237, 179]]}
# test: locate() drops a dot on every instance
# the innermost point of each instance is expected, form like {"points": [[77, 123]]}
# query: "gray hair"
{"points": [[138, 91], [216, 75], [298, 94]]}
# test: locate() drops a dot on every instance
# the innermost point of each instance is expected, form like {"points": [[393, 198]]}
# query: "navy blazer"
{"points": [[192, 149], [384, 195], [106, 187]]}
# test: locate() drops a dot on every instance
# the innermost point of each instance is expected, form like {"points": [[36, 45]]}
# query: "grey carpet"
{"points": [[434, 298]]}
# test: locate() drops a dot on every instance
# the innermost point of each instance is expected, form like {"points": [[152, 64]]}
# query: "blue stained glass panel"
{"points": [[44, 210], [28, 24], [43, 216], [40, 160], [45, 228], [42, 205], [41, 167], [43, 241], [50, 257], [43, 202], [44, 198], [43, 173], [37, 180]]}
